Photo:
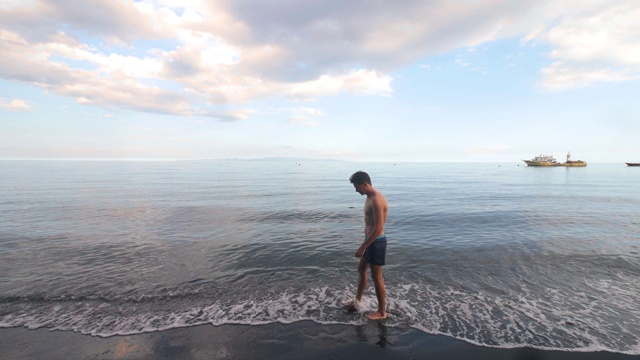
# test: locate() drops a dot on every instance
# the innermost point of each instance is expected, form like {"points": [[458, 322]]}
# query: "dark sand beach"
{"points": [[300, 340]]}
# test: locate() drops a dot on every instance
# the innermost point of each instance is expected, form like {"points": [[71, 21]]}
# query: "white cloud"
{"points": [[302, 120], [200, 58], [461, 62], [560, 76], [599, 44], [225, 51], [16, 4], [312, 111], [112, 86], [14, 105], [228, 116], [113, 21], [334, 37], [304, 115], [358, 82]]}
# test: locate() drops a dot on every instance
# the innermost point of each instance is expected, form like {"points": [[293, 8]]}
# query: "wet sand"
{"points": [[301, 340]]}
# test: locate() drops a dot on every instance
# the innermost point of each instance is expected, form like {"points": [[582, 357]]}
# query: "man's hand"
{"points": [[360, 251]]}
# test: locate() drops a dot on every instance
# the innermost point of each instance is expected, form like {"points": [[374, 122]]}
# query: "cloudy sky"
{"points": [[404, 80]]}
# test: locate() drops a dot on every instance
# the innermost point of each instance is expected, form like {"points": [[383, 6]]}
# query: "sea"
{"points": [[495, 254]]}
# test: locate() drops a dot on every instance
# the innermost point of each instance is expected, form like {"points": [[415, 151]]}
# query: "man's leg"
{"points": [[381, 294], [363, 267]]}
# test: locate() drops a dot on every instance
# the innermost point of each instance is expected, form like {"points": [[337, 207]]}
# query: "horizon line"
{"points": [[276, 159]]}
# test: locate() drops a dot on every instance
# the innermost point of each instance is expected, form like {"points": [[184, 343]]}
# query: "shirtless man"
{"points": [[373, 248]]}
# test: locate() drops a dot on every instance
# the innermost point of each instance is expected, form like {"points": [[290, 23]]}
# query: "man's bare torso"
{"points": [[372, 201]]}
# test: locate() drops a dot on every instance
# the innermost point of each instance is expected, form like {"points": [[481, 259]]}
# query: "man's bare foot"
{"points": [[377, 315], [351, 304]]}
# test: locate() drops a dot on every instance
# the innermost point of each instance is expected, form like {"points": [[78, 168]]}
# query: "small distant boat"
{"points": [[633, 164], [549, 160]]}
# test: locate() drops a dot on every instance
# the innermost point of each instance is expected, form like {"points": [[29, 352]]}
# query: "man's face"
{"points": [[359, 188]]}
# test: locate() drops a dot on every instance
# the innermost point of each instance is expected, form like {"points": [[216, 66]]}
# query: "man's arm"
{"points": [[377, 210]]}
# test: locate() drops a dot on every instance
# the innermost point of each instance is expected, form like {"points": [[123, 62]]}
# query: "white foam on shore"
{"points": [[480, 319]]}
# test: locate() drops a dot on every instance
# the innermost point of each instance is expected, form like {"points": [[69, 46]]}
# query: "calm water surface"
{"points": [[494, 254]]}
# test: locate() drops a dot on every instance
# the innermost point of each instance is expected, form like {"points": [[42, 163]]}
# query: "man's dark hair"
{"points": [[360, 177]]}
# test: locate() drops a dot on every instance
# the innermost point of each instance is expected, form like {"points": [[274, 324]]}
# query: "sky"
{"points": [[358, 80]]}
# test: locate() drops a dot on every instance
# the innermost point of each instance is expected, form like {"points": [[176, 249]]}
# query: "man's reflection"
{"points": [[364, 332]]}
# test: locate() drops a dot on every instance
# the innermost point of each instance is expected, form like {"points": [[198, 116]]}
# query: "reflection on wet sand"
{"points": [[300, 340], [368, 333]]}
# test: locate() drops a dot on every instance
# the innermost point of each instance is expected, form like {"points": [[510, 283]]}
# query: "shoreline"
{"points": [[299, 340]]}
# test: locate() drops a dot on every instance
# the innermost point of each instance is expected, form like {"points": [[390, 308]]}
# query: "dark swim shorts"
{"points": [[375, 253]]}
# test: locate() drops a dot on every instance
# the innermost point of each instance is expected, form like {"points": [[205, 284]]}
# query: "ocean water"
{"points": [[499, 255]]}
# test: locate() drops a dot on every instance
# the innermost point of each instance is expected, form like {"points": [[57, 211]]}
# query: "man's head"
{"points": [[360, 177], [360, 181]]}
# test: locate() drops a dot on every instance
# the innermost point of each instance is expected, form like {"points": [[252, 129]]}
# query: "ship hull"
{"points": [[540, 163], [633, 164]]}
